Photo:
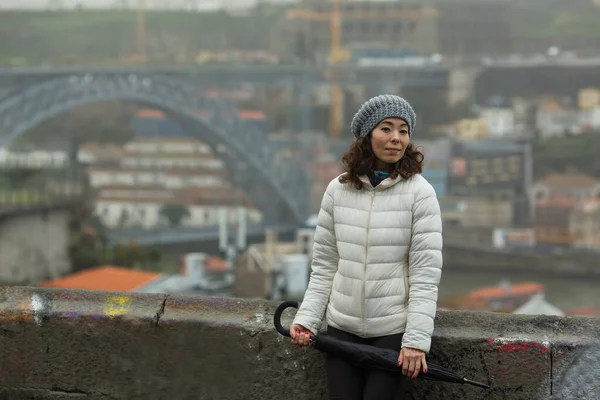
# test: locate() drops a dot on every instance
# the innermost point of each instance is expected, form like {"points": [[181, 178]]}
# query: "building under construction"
{"points": [[410, 25], [472, 28]]}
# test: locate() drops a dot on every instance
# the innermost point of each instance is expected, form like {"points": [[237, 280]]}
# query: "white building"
{"points": [[33, 159], [179, 153], [160, 177], [589, 119], [138, 184], [500, 121], [554, 119], [126, 207], [136, 181], [171, 147]]}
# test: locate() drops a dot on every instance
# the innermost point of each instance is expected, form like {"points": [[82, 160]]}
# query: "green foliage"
{"points": [[132, 255], [174, 214], [109, 37], [89, 248], [14, 178], [567, 153], [550, 22]]}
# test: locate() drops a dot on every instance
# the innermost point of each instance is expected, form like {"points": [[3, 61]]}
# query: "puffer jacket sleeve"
{"points": [[425, 268], [324, 266]]}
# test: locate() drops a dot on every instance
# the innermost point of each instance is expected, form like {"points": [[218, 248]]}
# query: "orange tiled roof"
{"points": [[569, 180], [252, 114], [556, 201], [108, 278], [150, 113], [499, 291], [216, 264], [163, 140], [243, 114], [584, 311]]}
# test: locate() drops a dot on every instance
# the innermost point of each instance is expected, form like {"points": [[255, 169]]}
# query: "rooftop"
{"points": [[107, 277], [505, 290], [569, 180]]}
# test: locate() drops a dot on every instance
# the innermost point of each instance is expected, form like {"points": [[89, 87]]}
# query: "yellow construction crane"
{"points": [[336, 55], [141, 32], [337, 52]]}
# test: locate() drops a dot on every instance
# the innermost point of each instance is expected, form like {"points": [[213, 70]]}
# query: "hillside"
{"points": [[109, 37]]}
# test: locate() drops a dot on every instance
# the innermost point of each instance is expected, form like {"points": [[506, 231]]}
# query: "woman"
{"points": [[377, 254]]}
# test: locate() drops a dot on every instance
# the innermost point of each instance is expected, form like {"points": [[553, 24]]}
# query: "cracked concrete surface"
{"points": [[161, 311], [581, 378], [29, 394], [100, 345]]}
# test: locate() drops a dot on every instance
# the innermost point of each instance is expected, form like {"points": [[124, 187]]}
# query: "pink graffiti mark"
{"points": [[510, 347], [518, 349]]}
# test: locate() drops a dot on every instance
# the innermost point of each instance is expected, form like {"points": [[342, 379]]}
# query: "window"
{"points": [[540, 195], [366, 26], [412, 26], [397, 28]]}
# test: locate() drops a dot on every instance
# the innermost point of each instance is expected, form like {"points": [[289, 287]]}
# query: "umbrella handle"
{"points": [[277, 316]]}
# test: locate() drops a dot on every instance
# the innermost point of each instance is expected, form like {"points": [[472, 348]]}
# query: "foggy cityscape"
{"points": [[182, 150]]}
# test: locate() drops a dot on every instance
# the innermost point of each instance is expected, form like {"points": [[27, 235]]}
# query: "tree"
{"points": [[84, 252], [123, 218], [90, 247], [557, 155], [174, 214]]}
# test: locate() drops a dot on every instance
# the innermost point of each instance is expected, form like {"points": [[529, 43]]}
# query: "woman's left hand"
{"points": [[412, 361]]}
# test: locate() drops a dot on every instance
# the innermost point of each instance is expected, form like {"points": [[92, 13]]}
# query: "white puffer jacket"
{"points": [[377, 261]]}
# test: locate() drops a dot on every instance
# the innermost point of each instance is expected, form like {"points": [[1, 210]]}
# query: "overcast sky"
{"points": [[150, 4]]}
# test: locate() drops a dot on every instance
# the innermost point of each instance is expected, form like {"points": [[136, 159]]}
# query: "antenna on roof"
{"points": [[505, 284]]}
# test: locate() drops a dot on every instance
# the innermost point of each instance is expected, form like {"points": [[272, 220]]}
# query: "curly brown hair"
{"points": [[360, 158]]}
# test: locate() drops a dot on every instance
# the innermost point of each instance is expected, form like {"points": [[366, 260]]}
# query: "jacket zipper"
{"points": [[406, 286], [364, 297]]}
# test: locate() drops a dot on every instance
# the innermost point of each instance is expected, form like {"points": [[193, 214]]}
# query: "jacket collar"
{"points": [[385, 184]]}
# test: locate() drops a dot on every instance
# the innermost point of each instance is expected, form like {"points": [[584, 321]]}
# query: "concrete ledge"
{"points": [[477, 258], [57, 344]]}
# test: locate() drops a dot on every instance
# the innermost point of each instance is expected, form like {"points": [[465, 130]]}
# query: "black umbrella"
{"points": [[368, 356]]}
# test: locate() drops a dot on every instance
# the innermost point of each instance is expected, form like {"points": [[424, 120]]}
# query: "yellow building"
{"points": [[589, 98], [584, 224], [471, 129]]}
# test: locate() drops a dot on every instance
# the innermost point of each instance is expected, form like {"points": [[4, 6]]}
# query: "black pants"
{"points": [[349, 382]]}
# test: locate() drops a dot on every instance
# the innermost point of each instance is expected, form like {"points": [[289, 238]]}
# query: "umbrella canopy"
{"points": [[369, 357]]}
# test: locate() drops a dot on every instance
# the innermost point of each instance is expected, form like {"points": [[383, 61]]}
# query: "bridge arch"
{"points": [[279, 190]]}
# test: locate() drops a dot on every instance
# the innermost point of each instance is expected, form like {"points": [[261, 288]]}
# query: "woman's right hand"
{"points": [[300, 335]]}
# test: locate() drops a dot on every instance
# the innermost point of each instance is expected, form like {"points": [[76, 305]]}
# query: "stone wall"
{"points": [[34, 244], [57, 344]]}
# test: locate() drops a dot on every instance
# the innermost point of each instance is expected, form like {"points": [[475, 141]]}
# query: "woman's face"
{"points": [[389, 140]]}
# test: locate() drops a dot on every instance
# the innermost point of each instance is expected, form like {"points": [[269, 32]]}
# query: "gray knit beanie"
{"points": [[375, 110]]}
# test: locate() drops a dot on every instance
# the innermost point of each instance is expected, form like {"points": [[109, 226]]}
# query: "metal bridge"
{"points": [[224, 76], [275, 185], [183, 235], [521, 77], [299, 80]]}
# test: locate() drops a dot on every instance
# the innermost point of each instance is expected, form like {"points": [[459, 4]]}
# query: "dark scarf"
{"points": [[376, 177]]}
